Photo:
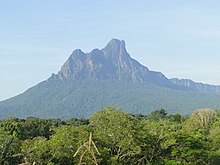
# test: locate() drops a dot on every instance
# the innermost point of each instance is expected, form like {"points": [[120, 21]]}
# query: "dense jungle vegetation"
{"points": [[113, 137]]}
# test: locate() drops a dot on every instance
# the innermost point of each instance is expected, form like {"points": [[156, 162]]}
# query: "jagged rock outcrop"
{"points": [[111, 62]]}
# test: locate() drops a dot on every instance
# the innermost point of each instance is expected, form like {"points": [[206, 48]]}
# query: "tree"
{"points": [[188, 149], [76, 121], [13, 126], [65, 142], [202, 120], [36, 150], [34, 127], [154, 138], [9, 149], [157, 115], [214, 136], [115, 136]]}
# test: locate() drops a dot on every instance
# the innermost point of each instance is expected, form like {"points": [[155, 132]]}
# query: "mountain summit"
{"points": [[87, 82], [112, 62]]}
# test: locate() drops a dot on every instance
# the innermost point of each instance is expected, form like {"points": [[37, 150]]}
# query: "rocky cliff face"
{"points": [[114, 63], [111, 62], [196, 86]]}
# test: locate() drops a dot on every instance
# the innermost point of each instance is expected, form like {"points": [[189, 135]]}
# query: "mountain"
{"points": [[108, 77], [111, 63]]}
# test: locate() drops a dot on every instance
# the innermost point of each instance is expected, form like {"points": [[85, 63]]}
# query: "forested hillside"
{"points": [[64, 99], [111, 136]]}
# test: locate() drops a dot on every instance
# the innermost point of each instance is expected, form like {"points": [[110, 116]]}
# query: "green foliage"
{"points": [[76, 121], [9, 149], [121, 138], [36, 150], [157, 114], [115, 133], [65, 142], [189, 149], [155, 138], [34, 127]]}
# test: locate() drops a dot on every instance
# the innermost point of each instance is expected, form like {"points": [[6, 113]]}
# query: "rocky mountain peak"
{"points": [[112, 62], [115, 45], [115, 48]]}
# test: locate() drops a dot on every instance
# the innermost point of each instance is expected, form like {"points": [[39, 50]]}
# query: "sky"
{"points": [[180, 38]]}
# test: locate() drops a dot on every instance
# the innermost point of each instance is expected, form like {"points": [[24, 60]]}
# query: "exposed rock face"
{"points": [[196, 86], [111, 62]]}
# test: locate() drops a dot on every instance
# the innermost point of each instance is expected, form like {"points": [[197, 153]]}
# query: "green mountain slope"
{"points": [[55, 98]]}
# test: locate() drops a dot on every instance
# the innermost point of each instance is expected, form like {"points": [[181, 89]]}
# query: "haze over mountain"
{"points": [[89, 81]]}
